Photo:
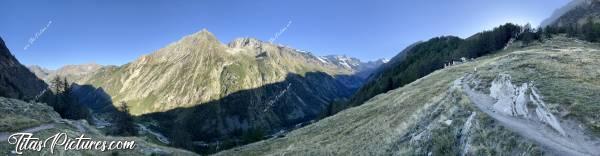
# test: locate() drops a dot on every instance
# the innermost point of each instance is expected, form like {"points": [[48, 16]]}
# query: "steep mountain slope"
{"points": [[198, 69], [576, 13], [422, 58], [540, 99], [40, 120], [200, 90], [16, 81], [562, 11], [361, 70], [71, 72], [40, 72]]}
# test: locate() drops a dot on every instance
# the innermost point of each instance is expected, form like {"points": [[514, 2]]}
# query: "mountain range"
{"points": [[198, 69], [229, 90], [525, 101], [15, 80], [494, 93], [19, 112], [512, 90], [71, 72]]}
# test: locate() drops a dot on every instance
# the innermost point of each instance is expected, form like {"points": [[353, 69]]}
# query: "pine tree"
{"points": [[66, 86], [56, 84], [124, 121], [528, 35]]}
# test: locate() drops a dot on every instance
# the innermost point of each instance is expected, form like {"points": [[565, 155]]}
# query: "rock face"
{"points": [[521, 101], [438, 115], [40, 72], [16, 81], [71, 72]]}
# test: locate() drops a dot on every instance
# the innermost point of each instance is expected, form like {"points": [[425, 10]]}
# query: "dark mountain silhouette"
{"points": [[250, 115], [16, 81]]}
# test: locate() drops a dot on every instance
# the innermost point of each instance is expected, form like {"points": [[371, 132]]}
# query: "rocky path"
{"points": [[574, 143], [158, 135], [4, 135]]}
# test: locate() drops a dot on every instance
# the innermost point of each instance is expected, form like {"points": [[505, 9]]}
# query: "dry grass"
{"points": [[408, 120], [16, 115]]}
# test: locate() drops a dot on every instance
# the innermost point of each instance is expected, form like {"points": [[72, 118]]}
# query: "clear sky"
{"points": [[117, 31]]}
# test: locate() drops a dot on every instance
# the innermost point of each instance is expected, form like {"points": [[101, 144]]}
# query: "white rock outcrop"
{"points": [[517, 101]]}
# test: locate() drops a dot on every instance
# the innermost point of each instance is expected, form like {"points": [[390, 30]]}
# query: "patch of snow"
{"points": [[343, 63], [322, 59], [385, 60]]}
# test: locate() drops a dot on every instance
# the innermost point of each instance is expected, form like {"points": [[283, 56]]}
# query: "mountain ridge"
{"points": [[16, 81], [235, 88], [437, 115], [576, 13], [72, 72], [217, 52]]}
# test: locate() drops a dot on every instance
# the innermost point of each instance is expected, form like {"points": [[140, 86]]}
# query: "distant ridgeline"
{"points": [[582, 21], [207, 96], [18, 82], [422, 58], [15, 80]]}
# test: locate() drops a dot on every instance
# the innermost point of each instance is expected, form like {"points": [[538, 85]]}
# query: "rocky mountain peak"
{"points": [[199, 43], [6, 57], [2, 43], [202, 36], [245, 42], [342, 61]]}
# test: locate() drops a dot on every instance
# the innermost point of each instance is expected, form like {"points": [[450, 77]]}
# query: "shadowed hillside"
{"points": [[535, 100], [423, 58], [251, 115], [16, 81]]}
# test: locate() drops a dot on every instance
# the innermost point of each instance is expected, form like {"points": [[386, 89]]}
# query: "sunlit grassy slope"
{"points": [[430, 115]]}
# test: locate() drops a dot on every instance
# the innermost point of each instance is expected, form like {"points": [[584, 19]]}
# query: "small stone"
{"points": [[448, 122]]}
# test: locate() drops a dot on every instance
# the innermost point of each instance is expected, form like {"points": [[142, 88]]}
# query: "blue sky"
{"points": [[116, 31]]}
